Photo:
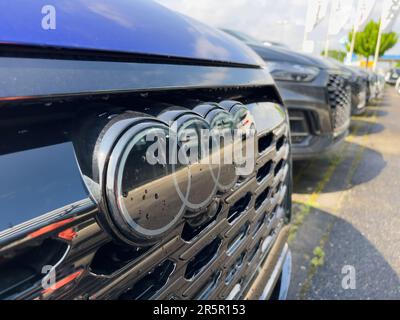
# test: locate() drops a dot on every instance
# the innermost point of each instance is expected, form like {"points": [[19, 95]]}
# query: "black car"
{"points": [[362, 90], [370, 79], [376, 85], [316, 93], [87, 107], [392, 76]]}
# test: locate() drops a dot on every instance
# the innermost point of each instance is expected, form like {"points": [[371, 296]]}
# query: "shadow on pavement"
{"points": [[332, 176], [344, 246], [373, 111], [384, 103], [376, 128]]}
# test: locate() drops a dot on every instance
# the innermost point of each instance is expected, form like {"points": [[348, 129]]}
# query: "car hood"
{"points": [[273, 53], [139, 27]]}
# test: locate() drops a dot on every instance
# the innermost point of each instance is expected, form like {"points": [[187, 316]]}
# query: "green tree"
{"points": [[336, 54], [366, 41]]}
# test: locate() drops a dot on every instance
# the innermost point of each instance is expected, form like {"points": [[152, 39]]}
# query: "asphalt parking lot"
{"points": [[346, 212]]}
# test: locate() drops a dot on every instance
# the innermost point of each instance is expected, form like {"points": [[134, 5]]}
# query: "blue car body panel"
{"points": [[129, 26]]}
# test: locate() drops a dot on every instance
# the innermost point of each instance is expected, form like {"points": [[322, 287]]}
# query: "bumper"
{"points": [[314, 126], [318, 145], [359, 111]]}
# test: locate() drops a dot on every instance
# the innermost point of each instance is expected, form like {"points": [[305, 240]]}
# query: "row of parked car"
{"points": [[320, 94]]}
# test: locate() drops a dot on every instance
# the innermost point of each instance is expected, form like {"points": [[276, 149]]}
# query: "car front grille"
{"points": [[220, 256], [213, 258], [339, 99], [359, 89]]}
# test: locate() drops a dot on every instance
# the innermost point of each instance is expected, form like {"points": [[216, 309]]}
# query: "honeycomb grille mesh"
{"points": [[339, 99]]}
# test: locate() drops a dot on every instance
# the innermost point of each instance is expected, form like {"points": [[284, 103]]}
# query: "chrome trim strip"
{"points": [[286, 276], [82, 207], [280, 266]]}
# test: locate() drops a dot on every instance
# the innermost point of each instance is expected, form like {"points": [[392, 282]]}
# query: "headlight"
{"points": [[292, 72]]}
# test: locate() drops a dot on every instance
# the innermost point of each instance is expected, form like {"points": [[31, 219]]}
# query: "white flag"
{"points": [[391, 9], [341, 11], [308, 46], [364, 10], [316, 12]]}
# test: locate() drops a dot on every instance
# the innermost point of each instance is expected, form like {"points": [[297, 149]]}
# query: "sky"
{"points": [[274, 20]]}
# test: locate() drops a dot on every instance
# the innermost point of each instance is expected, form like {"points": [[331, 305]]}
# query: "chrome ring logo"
{"points": [[155, 171]]}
